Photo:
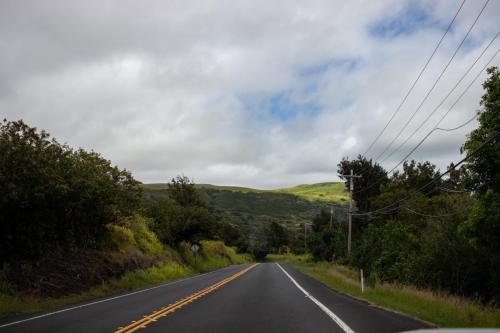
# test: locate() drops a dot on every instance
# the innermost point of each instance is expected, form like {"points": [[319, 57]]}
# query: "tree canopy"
{"points": [[54, 197]]}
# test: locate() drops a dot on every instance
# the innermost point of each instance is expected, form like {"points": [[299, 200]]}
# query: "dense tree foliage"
{"points": [[328, 241], [483, 225], [277, 236], [484, 167], [183, 216], [366, 187], [55, 198], [417, 176]]}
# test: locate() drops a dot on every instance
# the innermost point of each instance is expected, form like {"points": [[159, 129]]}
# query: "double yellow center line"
{"points": [[166, 310]]}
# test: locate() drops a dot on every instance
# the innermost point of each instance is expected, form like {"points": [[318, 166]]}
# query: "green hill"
{"points": [[329, 192], [164, 186], [254, 208], [332, 192], [241, 201]]}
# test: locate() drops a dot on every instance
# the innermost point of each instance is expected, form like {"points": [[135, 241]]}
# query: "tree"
{"points": [[484, 166], [321, 220], [54, 198], [183, 191], [327, 242], [482, 230], [483, 226], [416, 176], [232, 235], [457, 179], [276, 236], [183, 216], [366, 187]]}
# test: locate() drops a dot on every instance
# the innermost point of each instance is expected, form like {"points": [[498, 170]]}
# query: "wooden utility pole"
{"points": [[305, 236], [331, 217], [351, 189]]}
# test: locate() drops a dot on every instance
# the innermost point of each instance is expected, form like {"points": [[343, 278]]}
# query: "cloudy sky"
{"points": [[254, 93]]}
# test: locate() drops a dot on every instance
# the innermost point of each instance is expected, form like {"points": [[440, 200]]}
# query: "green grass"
{"points": [[330, 192], [437, 308]]}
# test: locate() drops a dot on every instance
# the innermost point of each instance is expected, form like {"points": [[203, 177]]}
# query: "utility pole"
{"points": [[305, 237], [351, 189], [331, 216]]}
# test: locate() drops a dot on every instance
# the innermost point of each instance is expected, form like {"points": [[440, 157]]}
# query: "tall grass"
{"points": [[437, 308]]}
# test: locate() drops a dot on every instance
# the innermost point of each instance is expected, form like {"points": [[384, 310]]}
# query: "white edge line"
{"points": [[103, 300], [326, 310]]}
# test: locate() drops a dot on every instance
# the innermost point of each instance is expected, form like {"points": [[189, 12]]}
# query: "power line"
{"points": [[409, 196], [435, 82], [413, 150], [436, 126], [445, 98], [392, 210], [452, 191], [458, 127], [427, 215], [416, 80]]}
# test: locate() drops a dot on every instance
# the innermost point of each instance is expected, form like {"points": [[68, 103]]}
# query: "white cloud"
{"points": [[160, 87]]}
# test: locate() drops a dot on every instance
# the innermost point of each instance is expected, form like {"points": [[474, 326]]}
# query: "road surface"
{"points": [[266, 297]]}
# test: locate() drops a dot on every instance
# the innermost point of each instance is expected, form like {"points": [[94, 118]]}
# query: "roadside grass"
{"points": [[181, 264], [437, 308]]}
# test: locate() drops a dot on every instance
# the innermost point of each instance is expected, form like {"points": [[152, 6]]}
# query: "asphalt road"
{"points": [[245, 298]]}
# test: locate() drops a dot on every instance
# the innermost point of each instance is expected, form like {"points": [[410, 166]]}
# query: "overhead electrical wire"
{"points": [[413, 150], [444, 99], [427, 215], [416, 80], [436, 128], [452, 191], [443, 71]]}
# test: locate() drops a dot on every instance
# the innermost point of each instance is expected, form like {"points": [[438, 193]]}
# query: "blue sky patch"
{"points": [[412, 18], [347, 64], [282, 106]]}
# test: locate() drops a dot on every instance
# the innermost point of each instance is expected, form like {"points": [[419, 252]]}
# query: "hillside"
{"points": [[252, 209], [332, 192], [329, 192]]}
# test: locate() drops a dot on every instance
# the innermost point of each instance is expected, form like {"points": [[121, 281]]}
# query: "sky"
{"points": [[263, 94]]}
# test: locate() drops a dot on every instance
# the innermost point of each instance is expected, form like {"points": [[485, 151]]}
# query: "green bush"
{"points": [[134, 231], [54, 197]]}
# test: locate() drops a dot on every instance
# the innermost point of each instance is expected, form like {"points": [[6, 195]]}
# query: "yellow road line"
{"points": [[164, 311]]}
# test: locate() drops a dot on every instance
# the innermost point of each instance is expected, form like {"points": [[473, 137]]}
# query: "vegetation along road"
{"points": [[266, 297]]}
